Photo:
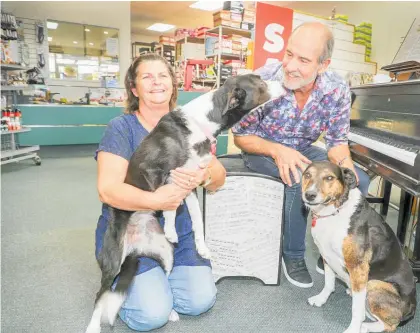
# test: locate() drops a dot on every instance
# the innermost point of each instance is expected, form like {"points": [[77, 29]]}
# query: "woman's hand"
{"points": [[168, 197], [189, 179]]}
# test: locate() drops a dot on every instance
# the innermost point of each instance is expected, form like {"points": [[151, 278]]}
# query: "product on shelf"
{"points": [[11, 120]]}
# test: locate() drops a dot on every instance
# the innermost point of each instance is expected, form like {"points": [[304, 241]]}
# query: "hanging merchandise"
{"points": [[24, 52], [39, 32], [8, 27], [35, 76], [41, 60]]}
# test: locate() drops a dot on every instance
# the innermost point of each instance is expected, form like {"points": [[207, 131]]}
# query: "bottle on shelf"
{"points": [[18, 123]]}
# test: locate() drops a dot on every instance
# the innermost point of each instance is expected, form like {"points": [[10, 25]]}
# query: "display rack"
{"points": [[10, 148], [219, 55]]}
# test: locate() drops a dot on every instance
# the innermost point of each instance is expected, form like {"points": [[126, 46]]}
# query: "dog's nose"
{"points": [[310, 195]]}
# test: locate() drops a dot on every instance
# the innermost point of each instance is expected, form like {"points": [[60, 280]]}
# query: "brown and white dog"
{"points": [[359, 248]]}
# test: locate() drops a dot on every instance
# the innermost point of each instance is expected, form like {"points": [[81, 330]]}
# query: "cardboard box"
{"points": [[236, 17], [227, 23], [223, 14], [247, 26]]}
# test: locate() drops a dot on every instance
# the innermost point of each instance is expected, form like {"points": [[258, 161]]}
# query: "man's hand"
{"points": [[288, 160]]}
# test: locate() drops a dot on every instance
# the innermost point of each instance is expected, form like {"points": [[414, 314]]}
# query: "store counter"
{"points": [[53, 124]]}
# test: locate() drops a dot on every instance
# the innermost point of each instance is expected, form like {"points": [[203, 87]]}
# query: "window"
{"points": [[82, 52]]}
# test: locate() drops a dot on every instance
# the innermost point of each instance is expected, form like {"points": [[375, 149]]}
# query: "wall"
{"points": [[144, 38], [113, 14], [391, 21]]}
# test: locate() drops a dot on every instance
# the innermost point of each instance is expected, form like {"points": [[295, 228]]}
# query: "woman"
{"points": [[152, 92]]}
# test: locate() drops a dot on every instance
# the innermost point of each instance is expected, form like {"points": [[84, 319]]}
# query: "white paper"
{"points": [[244, 226], [112, 47]]}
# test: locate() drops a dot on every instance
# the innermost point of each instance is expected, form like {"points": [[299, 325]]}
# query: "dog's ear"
{"points": [[235, 98], [349, 178]]}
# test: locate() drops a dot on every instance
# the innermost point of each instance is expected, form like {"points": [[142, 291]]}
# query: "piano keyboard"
{"points": [[398, 150]]}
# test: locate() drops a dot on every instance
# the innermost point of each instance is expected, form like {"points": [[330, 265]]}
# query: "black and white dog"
{"points": [[184, 137], [359, 248]]}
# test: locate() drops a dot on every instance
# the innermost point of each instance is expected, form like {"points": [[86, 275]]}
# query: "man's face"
{"points": [[300, 62]]}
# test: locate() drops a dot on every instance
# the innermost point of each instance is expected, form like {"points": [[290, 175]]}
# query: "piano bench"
{"points": [[243, 224]]}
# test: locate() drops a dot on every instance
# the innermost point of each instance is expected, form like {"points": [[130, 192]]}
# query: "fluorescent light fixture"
{"points": [[50, 39], [91, 44], [161, 27], [52, 25], [106, 32], [207, 5], [74, 42], [87, 30]]}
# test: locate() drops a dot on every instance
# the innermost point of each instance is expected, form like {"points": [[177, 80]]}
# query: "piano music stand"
{"points": [[403, 67]]}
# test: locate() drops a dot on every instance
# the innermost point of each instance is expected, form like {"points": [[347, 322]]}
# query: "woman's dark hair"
{"points": [[130, 81]]}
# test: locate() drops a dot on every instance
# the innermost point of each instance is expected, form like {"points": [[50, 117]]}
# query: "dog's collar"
{"points": [[315, 217], [209, 135]]}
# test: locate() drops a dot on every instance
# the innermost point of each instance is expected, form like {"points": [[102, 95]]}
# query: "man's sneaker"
{"points": [[296, 272], [320, 265]]}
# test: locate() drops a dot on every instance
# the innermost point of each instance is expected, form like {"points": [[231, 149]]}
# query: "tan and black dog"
{"points": [[359, 248]]}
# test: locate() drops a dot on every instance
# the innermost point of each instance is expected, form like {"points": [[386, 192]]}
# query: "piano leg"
{"points": [[415, 261], [386, 190], [404, 213]]}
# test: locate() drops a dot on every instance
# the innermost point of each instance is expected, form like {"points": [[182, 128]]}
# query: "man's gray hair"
{"points": [[329, 41], [328, 48]]}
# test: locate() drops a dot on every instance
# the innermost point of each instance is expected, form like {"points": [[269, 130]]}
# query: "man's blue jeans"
{"points": [[295, 214]]}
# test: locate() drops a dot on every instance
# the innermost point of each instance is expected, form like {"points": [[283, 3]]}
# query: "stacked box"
{"points": [[167, 40], [234, 15], [225, 72], [341, 18], [249, 16], [363, 36], [234, 6], [201, 32], [236, 65], [228, 46]]}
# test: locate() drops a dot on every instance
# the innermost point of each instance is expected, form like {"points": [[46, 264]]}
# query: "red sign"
{"points": [[273, 26]]}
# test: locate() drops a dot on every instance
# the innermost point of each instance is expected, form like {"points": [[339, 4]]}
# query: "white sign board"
{"points": [[112, 47], [243, 228]]}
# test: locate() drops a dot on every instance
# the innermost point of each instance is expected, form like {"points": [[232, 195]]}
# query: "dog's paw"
{"points": [[352, 329], [171, 235], [173, 316], [93, 328], [203, 251], [318, 300]]}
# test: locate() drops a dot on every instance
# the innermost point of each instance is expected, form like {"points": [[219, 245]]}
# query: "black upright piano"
{"points": [[385, 138]]}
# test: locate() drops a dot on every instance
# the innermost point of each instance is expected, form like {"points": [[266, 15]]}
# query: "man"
{"points": [[277, 139]]}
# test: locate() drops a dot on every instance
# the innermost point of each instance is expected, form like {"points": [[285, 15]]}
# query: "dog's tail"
{"points": [[124, 280], [127, 274]]}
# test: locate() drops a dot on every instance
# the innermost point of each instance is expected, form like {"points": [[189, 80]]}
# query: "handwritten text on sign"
{"points": [[272, 30]]}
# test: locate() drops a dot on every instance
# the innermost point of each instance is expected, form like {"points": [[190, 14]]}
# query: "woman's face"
{"points": [[153, 83]]}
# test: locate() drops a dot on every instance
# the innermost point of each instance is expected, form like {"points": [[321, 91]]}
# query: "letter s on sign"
{"points": [[272, 34]]}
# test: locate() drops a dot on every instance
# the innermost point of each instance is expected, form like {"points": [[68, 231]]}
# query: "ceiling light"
{"points": [[87, 30], [50, 39], [91, 44], [161, 27], [207, 5], [74, 42], [106, 32], [52, 25]]}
